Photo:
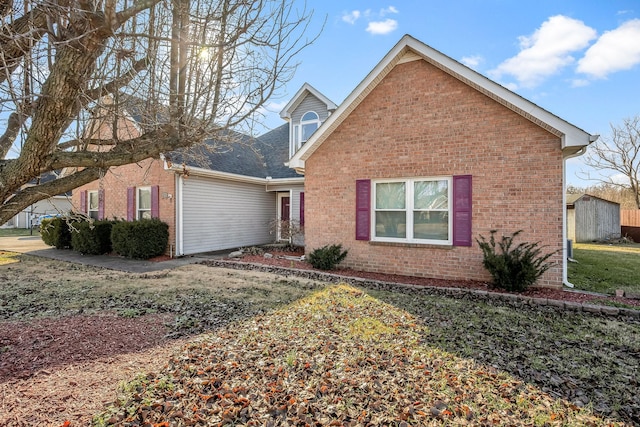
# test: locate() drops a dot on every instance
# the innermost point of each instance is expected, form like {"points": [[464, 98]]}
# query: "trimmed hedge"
{"points": [[141, 239], [56, 232], [92, 237]]}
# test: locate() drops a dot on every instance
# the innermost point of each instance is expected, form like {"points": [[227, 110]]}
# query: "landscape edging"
{"points": [[512, 299]]}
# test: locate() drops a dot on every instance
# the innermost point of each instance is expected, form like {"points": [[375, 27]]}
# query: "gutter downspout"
{"points": [[565, 280], [177, 184], [179, 215]]}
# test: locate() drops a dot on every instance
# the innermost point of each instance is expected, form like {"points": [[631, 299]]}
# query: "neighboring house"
{"points": [[54, 205], [424, 156], [590, 218], [240, 194]]}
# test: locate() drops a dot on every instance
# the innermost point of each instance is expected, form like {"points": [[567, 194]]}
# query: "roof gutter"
{"points": [[208, 173]]}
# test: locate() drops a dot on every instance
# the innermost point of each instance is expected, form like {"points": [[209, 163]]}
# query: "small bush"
{"points": [[91, 237], [56, 232], [513, 269], [142, 239], [327, 257]]}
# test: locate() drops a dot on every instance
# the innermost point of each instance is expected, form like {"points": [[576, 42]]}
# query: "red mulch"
{"points": [[42, 344], [535, 292]]}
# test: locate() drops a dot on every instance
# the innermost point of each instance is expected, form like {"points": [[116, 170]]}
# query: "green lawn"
{"points": [[9, 257], [605, 268], [10, 232]]}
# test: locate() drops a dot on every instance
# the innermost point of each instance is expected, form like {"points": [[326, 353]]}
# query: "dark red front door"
{"points": [[285, 203]]}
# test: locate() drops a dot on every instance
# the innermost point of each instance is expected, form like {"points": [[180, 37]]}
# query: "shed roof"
{"points": [[571, 199]]}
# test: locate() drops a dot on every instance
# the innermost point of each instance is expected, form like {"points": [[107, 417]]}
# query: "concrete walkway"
{"points": [[33, 245]]}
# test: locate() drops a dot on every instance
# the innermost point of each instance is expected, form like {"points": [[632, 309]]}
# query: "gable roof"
{"points": [[409, 49], [571, 199], [300, 96]]}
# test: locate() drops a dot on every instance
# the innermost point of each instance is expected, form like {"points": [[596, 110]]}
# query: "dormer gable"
{"points": [[306, 111]]}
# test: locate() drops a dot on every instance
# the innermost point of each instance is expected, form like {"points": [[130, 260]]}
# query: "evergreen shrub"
{"points": [[141, 239], [513, 268], [92, 237], [56, 232], [327, 257]]}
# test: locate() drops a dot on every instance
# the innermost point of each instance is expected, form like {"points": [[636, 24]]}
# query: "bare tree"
{"points": [[187, 70], [619, 153]]}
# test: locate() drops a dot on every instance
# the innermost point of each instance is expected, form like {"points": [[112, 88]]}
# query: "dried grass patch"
{"points": [[338, 357]]}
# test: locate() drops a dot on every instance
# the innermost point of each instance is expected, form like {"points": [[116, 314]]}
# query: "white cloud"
{"points": [[546, 51], [579, 82], [351, 17], [615, 50], [472, 61], [511, 86], [382, 27], [276, 106], [390, 9], [619, 178]]}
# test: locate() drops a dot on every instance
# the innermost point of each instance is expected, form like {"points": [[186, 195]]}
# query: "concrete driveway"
{"points": [[33, 245], [22, 244]]}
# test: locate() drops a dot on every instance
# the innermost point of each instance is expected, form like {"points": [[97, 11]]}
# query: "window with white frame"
{"points": [[301, 131], [309, 122], [413, 210], [93, 205], [144, 203]]}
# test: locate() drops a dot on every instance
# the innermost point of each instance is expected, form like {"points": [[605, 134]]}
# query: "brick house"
{"points": [[424, 156], [237, 195]]}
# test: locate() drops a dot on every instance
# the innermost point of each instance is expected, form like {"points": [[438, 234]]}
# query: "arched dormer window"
{"points": [[309, 122], [302, 131]]}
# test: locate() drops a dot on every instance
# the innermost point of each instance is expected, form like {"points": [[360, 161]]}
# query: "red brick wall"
{"points": [[116, 181], [421, 122]]}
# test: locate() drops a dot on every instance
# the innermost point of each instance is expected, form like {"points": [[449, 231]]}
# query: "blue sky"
{"points": [[579, 59]]}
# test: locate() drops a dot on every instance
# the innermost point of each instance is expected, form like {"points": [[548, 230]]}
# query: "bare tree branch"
{"points": [[117, 84], [7, 139], [134, 10], [620, 154], [148, 145], [30, 195], [66, 70]]}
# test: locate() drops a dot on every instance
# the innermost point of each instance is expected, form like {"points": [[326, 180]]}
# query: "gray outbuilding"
{"points": [[591, 218]]}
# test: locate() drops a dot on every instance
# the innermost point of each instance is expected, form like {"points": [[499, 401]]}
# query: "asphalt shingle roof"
{"points": [[240, 154]]}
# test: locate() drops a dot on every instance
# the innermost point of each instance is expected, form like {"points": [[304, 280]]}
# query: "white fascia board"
{"points": [[208, 173], [354, 98], [296, 180], [296, 164], [571, 136], [285, 113]]}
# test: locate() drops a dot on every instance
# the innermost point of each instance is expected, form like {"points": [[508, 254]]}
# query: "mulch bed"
{"points": [[45, 344], [278, 260], [63, 370]]}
